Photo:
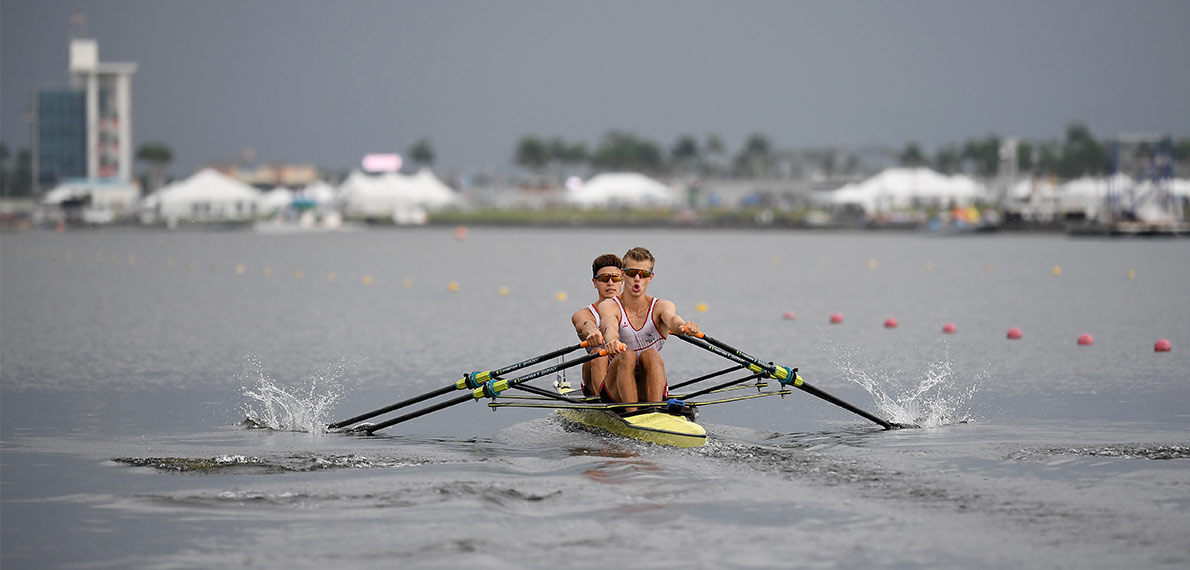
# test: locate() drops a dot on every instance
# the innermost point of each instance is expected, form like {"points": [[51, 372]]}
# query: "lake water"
{"points": [[129, 359]]}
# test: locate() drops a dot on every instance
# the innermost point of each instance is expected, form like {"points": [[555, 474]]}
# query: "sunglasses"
{"points": [[643, 273], [605, 277]]}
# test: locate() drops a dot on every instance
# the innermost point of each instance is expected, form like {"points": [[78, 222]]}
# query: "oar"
{"points": [[706, 377], [469, 381], [785, 375], [489, 389]]}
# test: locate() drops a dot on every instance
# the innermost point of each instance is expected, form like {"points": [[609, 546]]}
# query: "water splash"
{"points": [[936, 398], [306, 408]]}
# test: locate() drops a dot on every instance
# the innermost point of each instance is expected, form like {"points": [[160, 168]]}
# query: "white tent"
{"points": [[320, 192], [206, 196], [276, 200], [903, 188], [621, 189], [404, 198]]}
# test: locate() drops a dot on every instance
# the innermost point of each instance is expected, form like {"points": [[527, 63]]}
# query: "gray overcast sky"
{"points": [[326, 82]]}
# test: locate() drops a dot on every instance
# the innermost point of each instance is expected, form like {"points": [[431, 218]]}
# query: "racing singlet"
{"points": [[647, 336], [595, 312]]}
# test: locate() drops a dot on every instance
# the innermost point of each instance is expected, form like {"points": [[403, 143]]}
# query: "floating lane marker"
{"points": [[240, 269], [929, 266], [890, 323], [1057, 270], [330, 277], [268, 272], [1085, 340], [367, 280], [836, 318], [788, 315], [1014, 333], [560, 295], [504, 291], [297, 274], [949, 328], [1132, 274], [1162, 345], [453, 286], [701, 307], [872, 264]]}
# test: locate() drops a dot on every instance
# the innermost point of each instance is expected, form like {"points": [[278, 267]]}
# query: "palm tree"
{"points": [[422, 153], [157, 155]]}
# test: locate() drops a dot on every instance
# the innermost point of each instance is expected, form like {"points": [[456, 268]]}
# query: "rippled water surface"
{"points": [[130, 361]]}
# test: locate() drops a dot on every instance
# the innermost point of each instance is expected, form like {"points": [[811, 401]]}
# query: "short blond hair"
{"points": [[640, 254]]}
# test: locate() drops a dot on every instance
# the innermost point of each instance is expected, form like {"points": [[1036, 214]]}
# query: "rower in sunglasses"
{"points": [[637, 372], [608, 279]]}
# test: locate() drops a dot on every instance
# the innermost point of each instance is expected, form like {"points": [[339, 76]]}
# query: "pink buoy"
{"points": [[788, 315], [1014, 333], [836, 318], [460, 232], [1162, 345], [890, 323], [949, 328], [1085, 340]]}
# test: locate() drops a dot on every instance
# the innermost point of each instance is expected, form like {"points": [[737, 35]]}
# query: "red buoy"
{"points": [[890, 323], [1162, 345], [788, 315], [1014, 333], [836, 318], [1085, 340], [949, 328]]}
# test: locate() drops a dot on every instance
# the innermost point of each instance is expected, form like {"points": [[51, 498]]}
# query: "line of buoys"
{"points": [[949, 328], [890, 323], [1014, 333], [1162, 345], [1085, 340]]}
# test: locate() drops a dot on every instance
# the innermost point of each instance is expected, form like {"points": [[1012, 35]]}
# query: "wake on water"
{"points": [[304, 408], [935, 398]]}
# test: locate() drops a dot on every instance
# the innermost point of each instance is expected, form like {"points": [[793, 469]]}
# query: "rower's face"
{"points": [[637, 275], [609, 282]]}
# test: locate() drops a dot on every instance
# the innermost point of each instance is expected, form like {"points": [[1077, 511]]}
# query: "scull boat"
{"points": [[668, 423]]}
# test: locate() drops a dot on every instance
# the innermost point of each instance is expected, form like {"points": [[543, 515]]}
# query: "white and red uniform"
{"points": [[647, 336]]}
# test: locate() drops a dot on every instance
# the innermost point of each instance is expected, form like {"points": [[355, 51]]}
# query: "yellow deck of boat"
{"points": [[655, 427]]}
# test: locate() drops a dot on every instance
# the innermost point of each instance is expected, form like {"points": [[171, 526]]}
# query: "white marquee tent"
{"points": [[621, 189], [902, 188], [405, 198], [208, 195]]}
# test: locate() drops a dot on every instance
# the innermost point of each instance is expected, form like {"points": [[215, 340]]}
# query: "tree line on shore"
{"points": [[1079, 153]]}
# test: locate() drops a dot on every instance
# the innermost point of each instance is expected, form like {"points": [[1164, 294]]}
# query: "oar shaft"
{"points": [[458, 385], [419, 413], [836, 401], [756, 365], [396, 406], [480, 392]]}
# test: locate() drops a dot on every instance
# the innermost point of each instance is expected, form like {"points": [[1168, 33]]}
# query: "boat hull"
{"points": [[654, 427]]}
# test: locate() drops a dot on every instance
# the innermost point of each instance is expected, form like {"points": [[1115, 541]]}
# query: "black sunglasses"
{"points": [[643, 273], [605, 277]]}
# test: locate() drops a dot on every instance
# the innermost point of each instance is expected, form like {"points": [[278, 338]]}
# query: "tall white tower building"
{"points": [[107, 89]]}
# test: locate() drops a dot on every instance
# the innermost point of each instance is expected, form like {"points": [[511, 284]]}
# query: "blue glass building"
{"points": [[61, 136]]}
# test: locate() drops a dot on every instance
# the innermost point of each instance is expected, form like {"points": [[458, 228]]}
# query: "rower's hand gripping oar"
{"points": [[786, 376], [469, 381], [489, 389]]}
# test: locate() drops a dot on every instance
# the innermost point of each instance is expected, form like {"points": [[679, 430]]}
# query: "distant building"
{"points": [[86, 131], [272, 174]]}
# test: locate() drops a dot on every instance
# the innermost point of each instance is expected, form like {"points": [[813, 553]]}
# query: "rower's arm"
{"points": [[671, 322], [609, 324], [584, 326]]}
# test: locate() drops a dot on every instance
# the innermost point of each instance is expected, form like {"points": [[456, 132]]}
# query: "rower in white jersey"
{"points": [[608, 279], [634, 327]]}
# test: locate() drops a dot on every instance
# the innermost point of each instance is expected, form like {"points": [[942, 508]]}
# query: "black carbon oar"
{"points": [[469, 381], [706, 377], [787, 376], [489, 389]]}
